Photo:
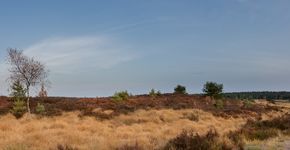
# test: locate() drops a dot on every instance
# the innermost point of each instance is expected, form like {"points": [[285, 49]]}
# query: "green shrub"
{"points": [[219, 104], [19, 108], [17, 90], [179, 89], [121, 96], [40, 109]]}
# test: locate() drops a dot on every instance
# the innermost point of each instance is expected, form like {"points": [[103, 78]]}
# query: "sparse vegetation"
{"points": [[179, 89]]}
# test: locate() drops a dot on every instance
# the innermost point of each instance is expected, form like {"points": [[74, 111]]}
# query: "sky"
{"points": [[95, 48]]}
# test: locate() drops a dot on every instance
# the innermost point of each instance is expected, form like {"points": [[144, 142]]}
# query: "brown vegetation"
{"points": [[137, 123]]}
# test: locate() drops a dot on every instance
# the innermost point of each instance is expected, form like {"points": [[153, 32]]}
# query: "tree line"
{"points": [[269, 95]]}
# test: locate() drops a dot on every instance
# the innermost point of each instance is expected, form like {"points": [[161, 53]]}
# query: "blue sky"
{"points": [[94, 48]]}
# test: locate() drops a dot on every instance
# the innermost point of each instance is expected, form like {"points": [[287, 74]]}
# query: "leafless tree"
{"points": [[28, 71]]}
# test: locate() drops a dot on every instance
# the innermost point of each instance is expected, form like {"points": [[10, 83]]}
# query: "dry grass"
{"points": [[151, 129]]}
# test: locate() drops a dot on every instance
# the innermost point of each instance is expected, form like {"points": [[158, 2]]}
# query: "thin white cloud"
{"points": [[78, 53], [68, 57]]}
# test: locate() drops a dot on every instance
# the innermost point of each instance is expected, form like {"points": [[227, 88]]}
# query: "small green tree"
{"points": [[214, 90], [18, 96], [17, 90], [179, 89]]}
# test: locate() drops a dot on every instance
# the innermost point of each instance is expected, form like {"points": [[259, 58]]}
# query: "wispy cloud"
{"points": [[78, 53], [68, 57]]}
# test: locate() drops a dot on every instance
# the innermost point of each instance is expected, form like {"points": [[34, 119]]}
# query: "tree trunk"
{"points": [[27, 102]]}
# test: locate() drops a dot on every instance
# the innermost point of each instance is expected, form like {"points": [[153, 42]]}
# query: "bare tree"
{"points": [[28, 71]]}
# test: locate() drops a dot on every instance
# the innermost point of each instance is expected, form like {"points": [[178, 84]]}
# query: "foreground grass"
{"points": [[151, 129]]}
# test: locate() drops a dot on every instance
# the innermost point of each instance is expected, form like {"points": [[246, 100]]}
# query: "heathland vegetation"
{"points": [[167, 121]]}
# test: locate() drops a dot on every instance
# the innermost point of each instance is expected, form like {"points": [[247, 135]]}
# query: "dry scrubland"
{"points": [[150, 128]]}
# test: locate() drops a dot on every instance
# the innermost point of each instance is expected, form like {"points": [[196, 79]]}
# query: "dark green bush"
{"points": [[214, 90], [179, 89]]}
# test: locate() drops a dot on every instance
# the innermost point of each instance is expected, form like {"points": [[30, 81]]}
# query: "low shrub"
{"points": [[179, 89], [190, 141], [121, 96], [19, 108]]}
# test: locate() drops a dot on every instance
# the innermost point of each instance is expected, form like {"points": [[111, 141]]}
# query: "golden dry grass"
{"points": [[150, 128]]}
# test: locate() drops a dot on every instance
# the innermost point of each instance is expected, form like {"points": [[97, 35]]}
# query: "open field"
{"points": [[141, 122]]}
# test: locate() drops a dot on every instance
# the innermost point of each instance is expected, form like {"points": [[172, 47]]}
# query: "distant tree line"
{"points": [[259, 95]]}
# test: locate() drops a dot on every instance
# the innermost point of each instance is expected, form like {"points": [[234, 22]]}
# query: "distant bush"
{"points": [[179, 89], [121, 96], [214, 90], [153, 94], [191, 141], [40, 109], [19, 108]]}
